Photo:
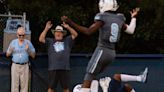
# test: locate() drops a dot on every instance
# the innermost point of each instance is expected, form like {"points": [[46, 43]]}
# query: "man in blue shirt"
{"points": [[59, 50], [20, 49]]}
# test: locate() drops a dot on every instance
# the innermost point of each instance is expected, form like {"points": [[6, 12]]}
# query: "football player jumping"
{"points": [[109, 23]]}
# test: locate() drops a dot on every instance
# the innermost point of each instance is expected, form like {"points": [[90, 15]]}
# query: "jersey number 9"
{"points": [[114, 32]]}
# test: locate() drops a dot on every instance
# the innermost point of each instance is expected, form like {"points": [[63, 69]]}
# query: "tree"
{"points": [[149, 32]]}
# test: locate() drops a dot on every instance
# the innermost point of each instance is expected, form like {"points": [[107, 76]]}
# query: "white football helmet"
{"points": [[105, 5]]}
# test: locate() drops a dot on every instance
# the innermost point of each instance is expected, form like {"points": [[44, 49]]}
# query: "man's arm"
{"points": [[43, 34], [88, 31], [30, 49], [74, 34], [9, 51]]}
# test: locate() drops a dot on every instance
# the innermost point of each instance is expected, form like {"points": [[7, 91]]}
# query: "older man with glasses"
{"points": [[20, 49]]}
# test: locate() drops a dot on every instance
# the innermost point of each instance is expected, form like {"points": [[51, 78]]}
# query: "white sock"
{"points": [[85, 90], [132, 90], [126, 78]]}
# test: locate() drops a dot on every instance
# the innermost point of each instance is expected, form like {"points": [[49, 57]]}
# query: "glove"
{"points": [[104, 83]]}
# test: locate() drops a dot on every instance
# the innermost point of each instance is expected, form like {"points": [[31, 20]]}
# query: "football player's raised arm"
{"points": [[85, 30], [131, 27]]}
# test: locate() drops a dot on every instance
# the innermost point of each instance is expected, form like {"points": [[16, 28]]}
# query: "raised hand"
{"points": [[65, 25], [48, 25], [134, 12]]}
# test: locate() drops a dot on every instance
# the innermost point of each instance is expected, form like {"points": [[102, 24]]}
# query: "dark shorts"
{"points": [[116, 86], [61, 76]]}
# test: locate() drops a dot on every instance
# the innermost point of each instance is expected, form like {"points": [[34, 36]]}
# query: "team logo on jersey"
{"points": [[58, 46]]}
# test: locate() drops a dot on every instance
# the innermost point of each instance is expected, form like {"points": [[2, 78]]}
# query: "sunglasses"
{"points": [[21, 35]]}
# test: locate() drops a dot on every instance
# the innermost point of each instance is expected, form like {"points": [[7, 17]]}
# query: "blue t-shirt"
{"points": [[20, 54], [59, 53]]}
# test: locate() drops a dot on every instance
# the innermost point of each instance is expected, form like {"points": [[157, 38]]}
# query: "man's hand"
{"points": [[11, 49], [27, 46], [48, 25], [65, 25], [134, 12], [9, 52]]}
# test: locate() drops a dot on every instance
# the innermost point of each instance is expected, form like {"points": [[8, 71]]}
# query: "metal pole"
{"points": [[24, 20]]}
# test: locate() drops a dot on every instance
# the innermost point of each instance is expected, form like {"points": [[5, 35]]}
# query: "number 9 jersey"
{"points": [[109, 33]]}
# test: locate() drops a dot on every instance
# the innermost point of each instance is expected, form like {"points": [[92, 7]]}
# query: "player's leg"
{"points": [[90, 72], [117, 86], [128, 88], [93, 68], [101, 58], [114, 84], [125, 88], [140, 78], [87, 82]]}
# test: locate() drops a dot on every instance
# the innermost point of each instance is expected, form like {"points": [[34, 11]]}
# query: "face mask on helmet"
{"points": [[106, 5]]}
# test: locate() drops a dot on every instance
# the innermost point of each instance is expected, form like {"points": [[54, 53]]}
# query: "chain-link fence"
{"points": [[8, 27], [2, 27]]}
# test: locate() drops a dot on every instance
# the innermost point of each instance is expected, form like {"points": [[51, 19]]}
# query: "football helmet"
{"points": [[106, 5]]}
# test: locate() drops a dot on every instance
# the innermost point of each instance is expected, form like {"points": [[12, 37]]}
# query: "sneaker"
{"points": [[144, 75]]}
